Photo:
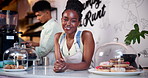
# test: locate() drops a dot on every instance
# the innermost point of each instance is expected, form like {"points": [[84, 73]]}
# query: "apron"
{"points": [[77, 56]]}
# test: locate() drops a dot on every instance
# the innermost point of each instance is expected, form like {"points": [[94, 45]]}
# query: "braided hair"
{"points": [[75, 5]]}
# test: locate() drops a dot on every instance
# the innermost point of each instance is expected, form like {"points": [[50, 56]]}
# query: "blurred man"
{"points": [[42, 10]]}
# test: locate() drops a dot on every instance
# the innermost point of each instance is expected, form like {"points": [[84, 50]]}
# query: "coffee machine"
{"points": [[8, 33]]}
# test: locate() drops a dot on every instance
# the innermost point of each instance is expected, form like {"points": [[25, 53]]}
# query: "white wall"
{"points": [[119, 19]]}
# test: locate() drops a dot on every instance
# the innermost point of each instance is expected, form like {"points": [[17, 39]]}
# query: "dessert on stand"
{"points": [[116, 58], [18, 58]]}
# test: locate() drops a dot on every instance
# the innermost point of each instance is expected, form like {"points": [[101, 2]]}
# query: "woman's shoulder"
{"points": [[87, 37], [86, 33], [57, 35]]}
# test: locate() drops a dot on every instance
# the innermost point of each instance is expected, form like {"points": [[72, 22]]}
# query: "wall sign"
{"points": [[92, 16]]}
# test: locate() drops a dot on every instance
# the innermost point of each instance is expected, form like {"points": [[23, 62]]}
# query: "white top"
{"points": [[75, 54], [50, 28]]}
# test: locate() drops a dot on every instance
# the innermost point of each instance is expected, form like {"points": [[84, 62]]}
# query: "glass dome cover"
{"points": [[115, 51], [15, 58], [31, 52]]}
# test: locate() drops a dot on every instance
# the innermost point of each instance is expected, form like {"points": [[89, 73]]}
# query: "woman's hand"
{"points": [[60, 66]]}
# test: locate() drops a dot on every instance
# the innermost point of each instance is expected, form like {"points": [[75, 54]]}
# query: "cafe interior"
{"points": [[109, 21]]}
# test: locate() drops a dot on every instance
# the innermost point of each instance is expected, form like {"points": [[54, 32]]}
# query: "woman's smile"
{"points": [[67, 28]]}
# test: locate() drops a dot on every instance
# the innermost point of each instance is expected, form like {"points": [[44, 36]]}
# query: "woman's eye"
{"points": [[65, 19], [74, 21]]}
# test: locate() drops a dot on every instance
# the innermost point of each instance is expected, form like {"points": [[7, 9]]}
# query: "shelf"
{"points": [[30, 32]]}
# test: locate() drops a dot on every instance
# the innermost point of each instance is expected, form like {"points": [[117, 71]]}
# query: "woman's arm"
{"points": [[57, 46], [59, 65], [88, 46]]}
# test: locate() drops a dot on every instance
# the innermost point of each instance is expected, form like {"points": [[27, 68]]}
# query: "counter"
{"points": [[47, 72]]}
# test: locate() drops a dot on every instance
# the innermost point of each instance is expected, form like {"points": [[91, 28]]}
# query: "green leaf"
{"points": [[143, 36], [134, 40], [134, 35], [143, 33], [138, 39], [128, 42], [136, 27]]}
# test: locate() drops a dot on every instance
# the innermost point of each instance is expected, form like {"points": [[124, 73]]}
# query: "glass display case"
{"points": [[116, 55], [15, 58], [32, 56], [18, 58]]}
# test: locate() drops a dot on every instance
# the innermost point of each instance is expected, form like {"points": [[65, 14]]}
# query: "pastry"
{"points": [[106, 64], [13, 67], [115, 65], [103, 69], [20, 67], [130, 69], [114, 69], [7, 67], [123, 64], [120, 65], [116, 60]]}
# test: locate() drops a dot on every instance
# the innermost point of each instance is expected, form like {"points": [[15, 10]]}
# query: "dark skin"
{"points": [[70, 23]]}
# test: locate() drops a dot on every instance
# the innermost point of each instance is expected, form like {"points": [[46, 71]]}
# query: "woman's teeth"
{"points": [[67, 28]]}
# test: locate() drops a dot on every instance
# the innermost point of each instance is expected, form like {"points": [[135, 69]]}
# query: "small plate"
{"points": [[14, 70], [114, 73]]}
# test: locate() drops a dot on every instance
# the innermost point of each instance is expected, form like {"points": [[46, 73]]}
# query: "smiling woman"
{"points": [[73, 49]]}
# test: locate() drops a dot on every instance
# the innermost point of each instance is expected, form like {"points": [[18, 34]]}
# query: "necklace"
{"points": [[68, 53], [69, 45]]}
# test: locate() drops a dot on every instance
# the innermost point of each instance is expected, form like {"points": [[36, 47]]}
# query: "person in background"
{"points": [[74, 49], [45, 47]]}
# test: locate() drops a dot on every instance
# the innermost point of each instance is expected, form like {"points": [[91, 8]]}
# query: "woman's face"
{"points": [[70, 21]]}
